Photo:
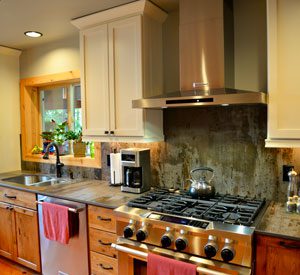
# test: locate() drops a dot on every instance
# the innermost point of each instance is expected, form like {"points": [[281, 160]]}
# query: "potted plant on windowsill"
{"points": [[79, 147], [47, 138], [59, 136]]}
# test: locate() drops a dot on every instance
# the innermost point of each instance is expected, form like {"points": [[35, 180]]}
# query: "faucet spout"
{"points": [[58, 164]]}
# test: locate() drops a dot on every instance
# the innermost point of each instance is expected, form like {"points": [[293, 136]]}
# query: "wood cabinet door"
{"points": [[7, 230], [125, 75], [275, 256], [94, 82], [28, 249], [283, 77]]}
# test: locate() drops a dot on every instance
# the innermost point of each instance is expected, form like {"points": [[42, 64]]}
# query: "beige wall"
{"points": [[9, 110], [56, 57]]}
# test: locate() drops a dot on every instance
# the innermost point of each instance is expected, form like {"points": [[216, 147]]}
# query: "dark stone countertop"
{"points": [[93, 192], [278, 223]]}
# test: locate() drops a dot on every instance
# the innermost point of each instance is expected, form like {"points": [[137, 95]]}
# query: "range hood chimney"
{"points": [[207, 67]]}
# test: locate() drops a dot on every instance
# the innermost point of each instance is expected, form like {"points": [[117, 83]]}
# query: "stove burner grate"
{"points": [[223, 208]]}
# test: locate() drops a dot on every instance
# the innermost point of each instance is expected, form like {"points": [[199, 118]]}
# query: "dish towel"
{"points": [[56, 222], [158, 265]]}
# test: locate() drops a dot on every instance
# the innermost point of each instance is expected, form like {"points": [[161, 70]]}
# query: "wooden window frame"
{"points": [[31, 119]]}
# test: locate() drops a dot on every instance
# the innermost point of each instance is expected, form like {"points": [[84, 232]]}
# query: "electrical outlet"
{"points": [[108, 160], [285, 170]]}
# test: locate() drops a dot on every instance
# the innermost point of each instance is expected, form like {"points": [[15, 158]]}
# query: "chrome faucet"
{"points": [[58, 164]]}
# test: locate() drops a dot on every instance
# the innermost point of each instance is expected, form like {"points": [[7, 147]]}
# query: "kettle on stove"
{"points": [[199, 185]]}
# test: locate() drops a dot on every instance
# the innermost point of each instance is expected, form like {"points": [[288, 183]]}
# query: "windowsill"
{"points": [[66, 159]]}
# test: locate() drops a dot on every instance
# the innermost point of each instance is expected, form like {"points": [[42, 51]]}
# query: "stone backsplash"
{"points": [[231, 140], [78, 172]]}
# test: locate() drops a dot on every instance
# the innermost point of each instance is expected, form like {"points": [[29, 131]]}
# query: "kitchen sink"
{"points": [[36, 180]]}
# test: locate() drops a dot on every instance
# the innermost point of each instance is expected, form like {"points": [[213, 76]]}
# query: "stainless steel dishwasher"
{"points": [[60, 259]]}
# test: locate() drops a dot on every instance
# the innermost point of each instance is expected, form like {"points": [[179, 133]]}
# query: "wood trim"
{"points": [[31, 124], [46, 80]]}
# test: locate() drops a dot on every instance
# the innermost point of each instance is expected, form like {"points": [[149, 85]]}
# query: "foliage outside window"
{"points": [[60, 104]]}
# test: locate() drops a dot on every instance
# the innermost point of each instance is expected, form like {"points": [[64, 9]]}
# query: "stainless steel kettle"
{"points": [[200, 186]]}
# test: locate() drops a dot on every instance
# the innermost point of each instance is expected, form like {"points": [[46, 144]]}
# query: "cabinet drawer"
{"points": [[100, 241], [102, 218], [101, 264], [17, 197]]}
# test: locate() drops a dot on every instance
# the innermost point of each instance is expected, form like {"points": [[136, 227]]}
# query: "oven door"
{"points": [[132, 259]]}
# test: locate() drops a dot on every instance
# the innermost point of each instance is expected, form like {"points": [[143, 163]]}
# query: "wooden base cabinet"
{"points": [[27, 241], [19, 238], [276, 256], [7, 236], [102, 233]]}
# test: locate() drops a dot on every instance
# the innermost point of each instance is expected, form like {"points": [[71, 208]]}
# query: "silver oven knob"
{"points": [[228, 252], [129, 229], [181, 242], [142, 233], [167, 239], [211, 248]]}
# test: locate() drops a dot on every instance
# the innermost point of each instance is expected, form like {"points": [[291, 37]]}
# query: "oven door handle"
{"points": [[144, 255]]}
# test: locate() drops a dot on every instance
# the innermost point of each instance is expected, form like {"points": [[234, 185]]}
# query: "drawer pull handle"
{"points": [[103, 243], [291, 246], [103, 219], [106, 267], [9, 207], [10, 197]]}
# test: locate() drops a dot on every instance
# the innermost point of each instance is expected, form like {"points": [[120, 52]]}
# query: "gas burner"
{"points": [[222, 208]]}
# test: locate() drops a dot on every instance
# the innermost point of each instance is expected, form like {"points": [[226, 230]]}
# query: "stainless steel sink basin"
{"points": [[37, 180]]}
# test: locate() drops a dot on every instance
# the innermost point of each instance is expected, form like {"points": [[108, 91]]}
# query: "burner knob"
{"points": [[210, 251], [228, 251], [181, 242], [211, 247], [142, 234], [129, 230], [167, 239]]}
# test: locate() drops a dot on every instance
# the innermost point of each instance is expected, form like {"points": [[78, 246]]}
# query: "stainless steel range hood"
{"points": [[207, 59]]}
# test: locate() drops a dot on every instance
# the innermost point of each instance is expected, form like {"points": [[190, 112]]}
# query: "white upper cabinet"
{"points": [[121, 60], [284, 78]]}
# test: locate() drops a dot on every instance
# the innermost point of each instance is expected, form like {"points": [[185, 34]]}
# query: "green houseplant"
{"points": [[79, 147], [59, 137], [47, 138]]}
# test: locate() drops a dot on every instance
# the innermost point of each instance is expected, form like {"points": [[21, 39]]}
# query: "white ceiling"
{"points": [[51, 17]]}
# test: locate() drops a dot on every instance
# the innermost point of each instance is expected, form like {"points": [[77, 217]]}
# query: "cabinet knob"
{"points": [[106, 132], [112, 132]]}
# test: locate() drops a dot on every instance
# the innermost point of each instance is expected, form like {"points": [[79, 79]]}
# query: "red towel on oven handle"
{"points": [[159, 265], [56, 222]]}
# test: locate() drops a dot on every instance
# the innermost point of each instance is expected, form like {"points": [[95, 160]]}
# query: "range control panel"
{"points": [[179, 220]]}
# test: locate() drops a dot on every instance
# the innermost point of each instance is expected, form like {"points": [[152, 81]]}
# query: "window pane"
{"points": [[77, 115], [54, 106]]}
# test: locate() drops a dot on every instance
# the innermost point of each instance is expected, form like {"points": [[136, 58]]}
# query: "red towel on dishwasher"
{"points": [[56, 222], [158, 265]]}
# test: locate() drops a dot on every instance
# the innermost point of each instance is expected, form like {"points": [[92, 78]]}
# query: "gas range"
{"points": [[219, 228]]}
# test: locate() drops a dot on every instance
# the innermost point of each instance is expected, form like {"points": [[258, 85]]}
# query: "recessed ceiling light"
{"points": [[33, 34]]}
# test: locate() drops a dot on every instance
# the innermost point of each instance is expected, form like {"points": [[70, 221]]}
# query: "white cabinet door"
{"points": [[125, 76], [95, 86], [284, 78]]}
